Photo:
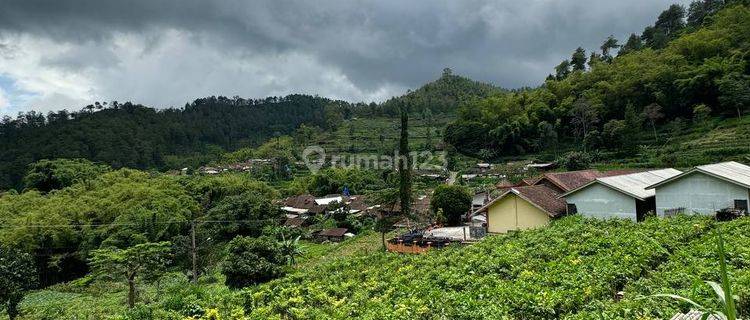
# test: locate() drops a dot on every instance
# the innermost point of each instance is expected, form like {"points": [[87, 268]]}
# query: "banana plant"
{"points": [[291, 248]]}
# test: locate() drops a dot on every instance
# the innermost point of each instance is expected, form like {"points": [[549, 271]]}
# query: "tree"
{"points": [[245, 214], [701, 112], [699, 10], [404, 163], [562, 70], [578, 60], [734, 92], [453, 200], [634, 43], [583, 116], [614, 132], [575, 160], [653, 113], [609, 44], [592, 140], [252, 260], [48, 175], [547, 135], [333, 116], [17, 276], [147, 261], [594, 59], [388, 198], [654, 37], [671, 21], [633, 125]]}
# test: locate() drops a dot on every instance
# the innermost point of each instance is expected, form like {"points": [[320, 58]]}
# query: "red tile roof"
{"points": [[543, 197], [570, 180], [304, 201]]}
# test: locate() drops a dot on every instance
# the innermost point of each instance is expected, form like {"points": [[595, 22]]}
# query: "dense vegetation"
{"points": [[572, 269], [682, 73], [135, 136], [90, 223]]}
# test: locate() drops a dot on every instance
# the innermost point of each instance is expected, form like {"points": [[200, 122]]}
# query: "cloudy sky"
{"points": [[66, 54]]}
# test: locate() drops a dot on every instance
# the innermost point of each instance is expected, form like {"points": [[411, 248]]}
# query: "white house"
{"points": [[620, 196], [704, 190]]}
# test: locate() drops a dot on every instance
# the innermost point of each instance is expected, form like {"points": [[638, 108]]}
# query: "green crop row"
{"points": [[546, 273], [684, 274]]}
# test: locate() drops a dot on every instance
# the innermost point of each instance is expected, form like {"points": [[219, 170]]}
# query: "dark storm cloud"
{"points": [[373, 43]]}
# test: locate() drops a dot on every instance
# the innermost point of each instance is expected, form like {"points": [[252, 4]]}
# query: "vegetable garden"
{"points": [[573, 269]]}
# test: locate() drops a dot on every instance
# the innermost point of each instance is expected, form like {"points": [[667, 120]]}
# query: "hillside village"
{"points": [[720, 189], [419, 173]]}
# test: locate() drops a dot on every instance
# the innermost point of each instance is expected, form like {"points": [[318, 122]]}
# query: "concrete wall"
{"points": [[514, 213], [698, 193], [603, 202]]}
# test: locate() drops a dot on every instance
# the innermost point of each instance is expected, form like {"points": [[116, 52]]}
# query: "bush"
{"points": [[575, 160], [251, 261], [453, 200]]}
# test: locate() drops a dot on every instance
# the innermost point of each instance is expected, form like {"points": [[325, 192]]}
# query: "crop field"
{"points": [[380, 135], [572, 269]]}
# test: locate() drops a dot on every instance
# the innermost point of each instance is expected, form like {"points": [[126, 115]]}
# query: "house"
{"points": [[296, 222], [619, 196], [333, 235], [569, 180], [704, 190], [329, 199], [479, 200], [523, 208], [300, 204], [540, 166]]}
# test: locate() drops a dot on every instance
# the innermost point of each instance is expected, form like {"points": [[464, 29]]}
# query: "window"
{"points": [[740, 205], [572, 208]]}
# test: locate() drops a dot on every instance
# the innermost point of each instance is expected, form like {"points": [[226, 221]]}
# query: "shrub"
{"points": [[453, 200], [252, 260], [575, 160]]}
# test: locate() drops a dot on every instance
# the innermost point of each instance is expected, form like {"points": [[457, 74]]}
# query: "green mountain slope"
{"points": [[616, 104]]}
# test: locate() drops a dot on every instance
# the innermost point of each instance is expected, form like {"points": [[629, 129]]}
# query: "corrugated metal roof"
{"points": [[634, 184], [731, 170]]}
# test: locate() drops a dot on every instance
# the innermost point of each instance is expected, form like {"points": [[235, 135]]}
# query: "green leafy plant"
{"points": [[291, 248], [723, 291]]}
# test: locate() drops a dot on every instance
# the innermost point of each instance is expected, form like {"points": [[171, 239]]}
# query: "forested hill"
{"points": [[135, 136], [443, 95], [688, 66]]}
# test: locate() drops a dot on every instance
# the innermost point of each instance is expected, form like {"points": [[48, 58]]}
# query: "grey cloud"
{"points": [[373, 43]]}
